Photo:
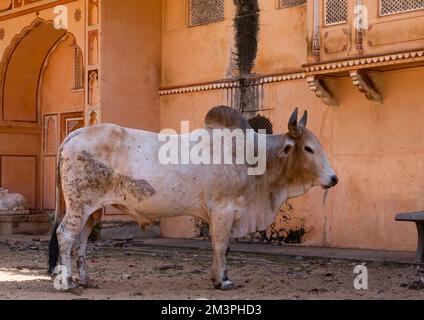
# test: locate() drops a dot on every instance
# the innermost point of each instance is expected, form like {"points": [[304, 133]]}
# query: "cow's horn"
{"points": [[304, 121], [294, 130]]}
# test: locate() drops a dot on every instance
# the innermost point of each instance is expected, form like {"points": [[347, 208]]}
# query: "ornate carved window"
{"points": [[290, 3], [335, 11], [396, 6], [206, 11]]}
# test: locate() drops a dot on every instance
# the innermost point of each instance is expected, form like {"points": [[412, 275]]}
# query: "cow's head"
{"points": [[308, 163]]}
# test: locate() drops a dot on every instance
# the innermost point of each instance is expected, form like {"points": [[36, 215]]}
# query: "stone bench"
{"points": [[418, 219], [24, 222], [14, 213]]}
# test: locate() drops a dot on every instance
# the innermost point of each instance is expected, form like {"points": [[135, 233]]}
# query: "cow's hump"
{"points": [[226, 117]]}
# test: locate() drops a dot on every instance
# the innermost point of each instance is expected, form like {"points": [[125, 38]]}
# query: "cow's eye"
{"points": [[309, 149], [287, 149]]}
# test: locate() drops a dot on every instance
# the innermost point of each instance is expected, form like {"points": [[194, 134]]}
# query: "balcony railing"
{"points": [[359, 39], [9, 7], [346, 29]]}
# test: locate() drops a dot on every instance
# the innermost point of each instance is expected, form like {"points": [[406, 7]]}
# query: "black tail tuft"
{"points": [[53, 251]]}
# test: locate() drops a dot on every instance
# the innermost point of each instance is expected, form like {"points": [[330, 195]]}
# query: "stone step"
{"points": [[24, 222]]}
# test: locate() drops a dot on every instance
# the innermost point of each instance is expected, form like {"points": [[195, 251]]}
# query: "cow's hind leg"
{"points": [[221, 226], [67, 233], [81, 248]]}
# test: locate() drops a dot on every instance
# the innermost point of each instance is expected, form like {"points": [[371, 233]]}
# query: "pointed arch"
{"points": [[21, 68], [78, 69]]}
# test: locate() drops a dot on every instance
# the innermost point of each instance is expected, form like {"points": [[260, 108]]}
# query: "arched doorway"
{"points": [[42, 100]]}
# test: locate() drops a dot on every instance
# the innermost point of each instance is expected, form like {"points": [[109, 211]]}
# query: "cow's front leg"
{"points": [[221, 226]]}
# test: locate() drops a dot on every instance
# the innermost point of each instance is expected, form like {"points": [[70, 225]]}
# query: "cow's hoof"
{"points": [[227, 285], [76, 291], [89, 285], [224, 286]]}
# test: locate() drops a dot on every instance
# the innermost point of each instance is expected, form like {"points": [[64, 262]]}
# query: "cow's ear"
{"points": [[287, 149]]}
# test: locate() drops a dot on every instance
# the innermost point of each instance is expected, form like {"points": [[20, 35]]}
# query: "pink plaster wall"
{"points": [[131, 63]]}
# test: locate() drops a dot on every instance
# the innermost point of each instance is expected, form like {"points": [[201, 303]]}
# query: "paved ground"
{"points": [[179, 269]]}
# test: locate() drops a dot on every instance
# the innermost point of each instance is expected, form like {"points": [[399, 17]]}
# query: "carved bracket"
{"points": [[365, 85], [318, 86]]}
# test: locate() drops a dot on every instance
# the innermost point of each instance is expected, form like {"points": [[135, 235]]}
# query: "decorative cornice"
{"points": [[309, 70], [366, 62], [200, 87], [225, 84], [278, 78]]}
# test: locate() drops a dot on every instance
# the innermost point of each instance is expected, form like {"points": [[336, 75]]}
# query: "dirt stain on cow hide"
{"points": [[90, 176]]}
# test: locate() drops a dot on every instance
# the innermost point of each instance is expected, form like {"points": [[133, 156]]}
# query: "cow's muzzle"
{"points": [[334, 180]]}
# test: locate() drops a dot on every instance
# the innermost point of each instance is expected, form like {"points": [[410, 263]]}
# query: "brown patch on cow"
{"points": [[118, 134], [94, 131], [100, 177], [90, 177], [104, 150], [113, 146], [139, 189], [97, 175]]}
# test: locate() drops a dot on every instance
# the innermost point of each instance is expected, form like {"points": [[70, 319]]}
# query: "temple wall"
{"points": [[27, 36], [131, 63], [375, 149]]}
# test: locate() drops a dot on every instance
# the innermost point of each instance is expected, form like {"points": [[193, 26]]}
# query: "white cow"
{"points": [[108, 165], [11, 201]]}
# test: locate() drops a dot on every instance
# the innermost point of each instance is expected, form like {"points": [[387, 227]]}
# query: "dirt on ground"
{"points": [[133, 270]]}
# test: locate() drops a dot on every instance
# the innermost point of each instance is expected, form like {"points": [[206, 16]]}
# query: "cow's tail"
{"points": [[54, 250]]}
